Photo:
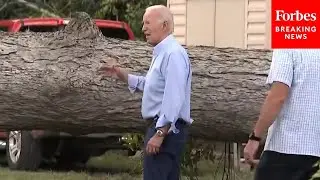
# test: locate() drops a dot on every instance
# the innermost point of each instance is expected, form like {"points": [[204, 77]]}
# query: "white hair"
{"points": [[165, 15]]}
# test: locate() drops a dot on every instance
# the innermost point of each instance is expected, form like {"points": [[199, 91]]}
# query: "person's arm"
{"points": [[176, 72], [134, 82], [280, 77]]}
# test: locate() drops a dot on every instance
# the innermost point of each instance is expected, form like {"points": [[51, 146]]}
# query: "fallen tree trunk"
{"points": [[50, 81]]}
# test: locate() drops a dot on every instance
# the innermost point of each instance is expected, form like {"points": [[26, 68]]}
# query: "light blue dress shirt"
{"points": [[167, 85]]}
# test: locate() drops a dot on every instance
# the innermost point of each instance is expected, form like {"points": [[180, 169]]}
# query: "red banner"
{"points": [[295, 24]]}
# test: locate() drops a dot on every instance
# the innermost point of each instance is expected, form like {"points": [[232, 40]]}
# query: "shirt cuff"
{"points": [[132, 82], [162, 121]]}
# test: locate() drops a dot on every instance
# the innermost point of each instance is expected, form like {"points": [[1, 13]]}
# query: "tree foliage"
{"points": [[130, 11]]}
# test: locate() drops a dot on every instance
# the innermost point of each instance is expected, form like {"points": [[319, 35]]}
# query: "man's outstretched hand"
{"points": [[109, 70], [113, 71]]}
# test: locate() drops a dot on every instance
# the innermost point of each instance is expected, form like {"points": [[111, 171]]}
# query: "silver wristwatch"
{"points": [[160, 133]]}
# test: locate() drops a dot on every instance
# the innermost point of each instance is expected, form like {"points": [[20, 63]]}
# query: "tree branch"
{"points": [[37, 8], [3, 6]]}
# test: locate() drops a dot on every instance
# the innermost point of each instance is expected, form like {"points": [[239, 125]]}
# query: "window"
{"points": [[4, 29], [40, 28], [115, 33]]}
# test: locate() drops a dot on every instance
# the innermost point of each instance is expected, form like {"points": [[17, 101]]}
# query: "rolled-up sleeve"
{"points": [[176, 74], [136, 83], [281, 68]]}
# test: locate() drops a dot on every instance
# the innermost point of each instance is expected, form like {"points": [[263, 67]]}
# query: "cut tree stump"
{"points": [[50, 81]]}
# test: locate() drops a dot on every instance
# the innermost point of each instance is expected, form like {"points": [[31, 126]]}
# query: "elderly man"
{"points": [[291, 111], [166, 96]]}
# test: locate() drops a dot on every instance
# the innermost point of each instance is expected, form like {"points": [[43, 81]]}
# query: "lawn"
{"points": [[113, 166]]}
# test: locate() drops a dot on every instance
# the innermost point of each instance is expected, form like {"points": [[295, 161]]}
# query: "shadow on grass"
{"points": [[110, 163]]}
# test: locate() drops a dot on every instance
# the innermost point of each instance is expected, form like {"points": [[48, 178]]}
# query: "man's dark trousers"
{"points": [[165, 165], [279, 166]]}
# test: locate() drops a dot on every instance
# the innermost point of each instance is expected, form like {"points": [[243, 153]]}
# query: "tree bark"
{"points": [[50, 81]]}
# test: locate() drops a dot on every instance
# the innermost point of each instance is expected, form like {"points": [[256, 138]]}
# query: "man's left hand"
{"points": [[250, 150], [153, 146]]}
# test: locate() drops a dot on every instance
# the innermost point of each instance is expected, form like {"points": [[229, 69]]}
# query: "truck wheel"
{"points": [[23, 151]]}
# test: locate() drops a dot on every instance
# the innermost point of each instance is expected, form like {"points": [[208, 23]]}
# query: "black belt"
{"points": [[151, 121]]}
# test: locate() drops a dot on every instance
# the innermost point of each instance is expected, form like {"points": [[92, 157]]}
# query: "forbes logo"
{"points": [[281, 15]]}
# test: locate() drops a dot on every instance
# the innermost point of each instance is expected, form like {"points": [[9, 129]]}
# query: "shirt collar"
{"points": [[160, 46]]}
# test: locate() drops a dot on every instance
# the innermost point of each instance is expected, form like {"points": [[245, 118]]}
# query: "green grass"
{"points": [[114, 167], [49, 175], [116, 163]]}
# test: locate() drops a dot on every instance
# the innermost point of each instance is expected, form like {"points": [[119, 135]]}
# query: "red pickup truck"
{"points": [[26, 150]]}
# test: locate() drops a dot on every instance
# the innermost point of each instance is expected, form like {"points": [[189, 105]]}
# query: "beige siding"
{"points": [[229, 23], [178, 8], [200, 22], [222, 23], [257, 33], [211, 23]]}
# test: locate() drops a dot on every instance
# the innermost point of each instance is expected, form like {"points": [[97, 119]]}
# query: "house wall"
{"points": [[222, 23], [257, 21], [194, 34], [229, 18], [179, 11]]}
